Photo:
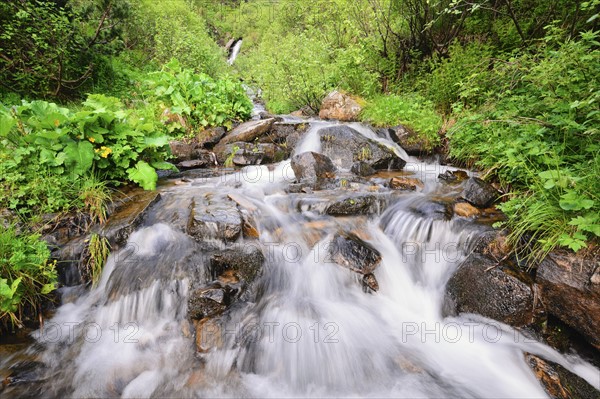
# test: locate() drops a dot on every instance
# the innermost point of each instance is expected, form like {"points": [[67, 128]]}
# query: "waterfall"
{"points": [[234, 52], [306, 326]]}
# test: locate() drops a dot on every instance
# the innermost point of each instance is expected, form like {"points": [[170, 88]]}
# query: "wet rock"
{"points": [[210, 137], [284, 133], [432, 209], [214, 218], [370, 282], [361, 168], [568, 293], [250, 153], [128, 216], [312, 166], [339, 106], [267, 115], [354, 205], [208, 335], [248, 131], [410, 141], [345, 146], [303, 112], [206, 302], [350, 251], [482, 286], [559, 382], [247, 210], [464, 209], [479, 193], [245, 262], [202, 158], [454, 176], [405, 183]]}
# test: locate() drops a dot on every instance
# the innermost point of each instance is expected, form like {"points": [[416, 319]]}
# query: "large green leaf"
{"points": [[144, 175], [79, 156], [6, 124]]}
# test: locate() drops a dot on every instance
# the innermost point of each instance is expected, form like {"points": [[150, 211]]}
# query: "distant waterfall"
{"points": [[234, 52]]}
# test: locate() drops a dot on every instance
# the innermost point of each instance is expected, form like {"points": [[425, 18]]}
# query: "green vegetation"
{"points": [[412, 111], [26, 274], [200, 100]]}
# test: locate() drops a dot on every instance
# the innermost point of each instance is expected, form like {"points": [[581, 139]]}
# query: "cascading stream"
{"points": [[306, 328]]}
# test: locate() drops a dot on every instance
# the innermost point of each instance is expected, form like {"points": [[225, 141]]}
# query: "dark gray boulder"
{"points": [[312, 166], [479, 193], [345, 146]]}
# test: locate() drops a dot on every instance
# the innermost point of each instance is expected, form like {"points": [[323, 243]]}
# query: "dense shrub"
{"points": [[200, 99], [541, 136], [26, 275]]}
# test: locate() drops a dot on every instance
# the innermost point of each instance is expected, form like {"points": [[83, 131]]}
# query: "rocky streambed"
{"points": [[325, 260]]}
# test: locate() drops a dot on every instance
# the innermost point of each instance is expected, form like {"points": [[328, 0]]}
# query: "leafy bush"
{"points": [[49, 151], [26, 275], [447, 82], [542, 139], [412, 111], [200, 99]]}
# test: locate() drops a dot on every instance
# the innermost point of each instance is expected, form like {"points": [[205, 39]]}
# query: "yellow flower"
{"points": [[105, 151], [91, 139]]}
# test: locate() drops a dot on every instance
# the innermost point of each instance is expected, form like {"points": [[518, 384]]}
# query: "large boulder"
{"points": [[312, 166], [479, 193], [284, 133], [569, 293], [345, 146], [248, 131], [339, 106], [481, 285], [214, 218]]}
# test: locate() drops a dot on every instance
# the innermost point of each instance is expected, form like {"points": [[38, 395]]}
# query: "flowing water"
{"points": [[306, 327], [234, 52]]}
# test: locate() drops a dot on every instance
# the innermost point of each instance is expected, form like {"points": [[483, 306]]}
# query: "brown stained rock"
{"points": [[464, 209], [568, 292], [558, 382], [208, 335], [405, 183]]}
